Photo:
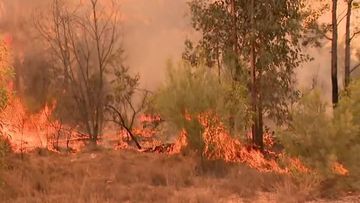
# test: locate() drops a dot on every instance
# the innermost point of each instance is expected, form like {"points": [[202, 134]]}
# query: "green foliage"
{"points": [[320, 140], [191, 91], [126, 100], [310, 133], [279, 32], [347, 123]]}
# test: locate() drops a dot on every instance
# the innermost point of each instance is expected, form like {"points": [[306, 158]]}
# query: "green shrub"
{"points": [[195, 90], [347, 124], [320, 140]]}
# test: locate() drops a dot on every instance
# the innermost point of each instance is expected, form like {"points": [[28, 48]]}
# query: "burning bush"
{"points": [[329, 145], [188, 92]]}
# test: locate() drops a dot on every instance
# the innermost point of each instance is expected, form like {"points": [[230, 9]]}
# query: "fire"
{"points": [[339, 169], [180, 143], [27, 132], [220, 145]]}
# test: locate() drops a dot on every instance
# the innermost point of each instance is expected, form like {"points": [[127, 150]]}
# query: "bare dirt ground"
{"points": [[126, 176]]}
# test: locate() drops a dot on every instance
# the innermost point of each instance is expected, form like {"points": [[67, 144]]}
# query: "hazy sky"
{"points": [[155, 31]]}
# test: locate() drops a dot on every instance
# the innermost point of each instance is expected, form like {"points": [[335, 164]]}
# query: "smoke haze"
{"points": [[155, 31]]}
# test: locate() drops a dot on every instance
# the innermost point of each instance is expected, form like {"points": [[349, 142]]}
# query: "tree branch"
{"points": [[354, 34], [355, 67], [122, 123]]}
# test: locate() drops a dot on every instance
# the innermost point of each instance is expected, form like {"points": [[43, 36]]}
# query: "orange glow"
{"points": [[180, 143], [27, 132], [340, 169], [220, 145]]}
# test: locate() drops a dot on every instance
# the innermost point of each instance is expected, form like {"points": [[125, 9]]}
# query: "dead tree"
{"points": [[84, 39]]}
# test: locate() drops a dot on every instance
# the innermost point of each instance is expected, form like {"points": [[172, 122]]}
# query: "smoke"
{"points": [[154, 31], [319, 69]]}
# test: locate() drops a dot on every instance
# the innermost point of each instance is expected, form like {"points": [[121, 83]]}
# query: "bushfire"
{"points": [[26, 132]]}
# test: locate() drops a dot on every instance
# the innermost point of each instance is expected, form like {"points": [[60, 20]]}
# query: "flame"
{"points": [[180, 143], [149, 118], [27, 132], [220, 145], [340, 169]]}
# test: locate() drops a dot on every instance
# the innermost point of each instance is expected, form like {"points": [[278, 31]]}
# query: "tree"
{"points": [[270, 33], [334, 54], [333, 28], [121, 103], [84, 40], [348, 38]]}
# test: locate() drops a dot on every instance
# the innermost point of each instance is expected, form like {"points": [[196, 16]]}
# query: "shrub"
{"points": [[189, 91], [324, 142], [347, 125]]}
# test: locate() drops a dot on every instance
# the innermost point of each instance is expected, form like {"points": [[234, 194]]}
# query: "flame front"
{"points": [[27, 132]]}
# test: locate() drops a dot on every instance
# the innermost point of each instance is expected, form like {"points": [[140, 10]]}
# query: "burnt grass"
{"points": [[128, 176]]}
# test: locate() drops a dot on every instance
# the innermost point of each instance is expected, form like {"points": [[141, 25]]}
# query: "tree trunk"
{"points": [[260, 132], [334, 78], [347, 44], [257, 133], [235, 40], [235, 50]]}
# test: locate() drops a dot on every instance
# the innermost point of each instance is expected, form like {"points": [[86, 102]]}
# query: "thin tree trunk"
{"points": [[347, 44], [334, 77], [257, 133], [235, 50], [235, 40]]}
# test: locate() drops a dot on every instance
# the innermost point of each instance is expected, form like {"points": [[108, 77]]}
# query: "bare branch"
{"points": [[355, 67], [123, 124], [354, 34]]}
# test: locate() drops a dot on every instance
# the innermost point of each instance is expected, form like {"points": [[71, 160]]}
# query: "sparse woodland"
{"points": [[229, 123]]}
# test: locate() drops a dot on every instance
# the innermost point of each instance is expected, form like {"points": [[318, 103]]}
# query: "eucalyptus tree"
{"points": [[260, 43]]}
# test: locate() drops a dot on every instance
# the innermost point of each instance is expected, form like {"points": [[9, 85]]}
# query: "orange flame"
{"points": [[27, 132], [340, 169], [220, 145]]}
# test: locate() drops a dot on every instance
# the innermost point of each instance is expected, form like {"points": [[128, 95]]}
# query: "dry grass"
{"points": [[125, 176], [291, 191]]}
